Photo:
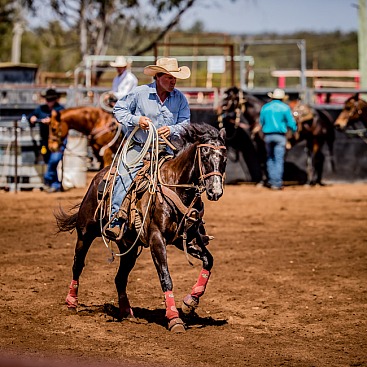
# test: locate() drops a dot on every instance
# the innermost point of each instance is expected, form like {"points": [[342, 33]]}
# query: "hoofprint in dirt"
{"points": [[288, 285]]}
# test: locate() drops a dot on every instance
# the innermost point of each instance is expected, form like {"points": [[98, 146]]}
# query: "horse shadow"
{"points": [[294, 174], [147, 316]]}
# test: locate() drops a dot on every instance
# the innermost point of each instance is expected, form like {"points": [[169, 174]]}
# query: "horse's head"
{"points": [[203, 157], [57, 131], [211, 162], [302, 113], [351, 113]]}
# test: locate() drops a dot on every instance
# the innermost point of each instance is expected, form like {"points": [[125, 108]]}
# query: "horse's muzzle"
{"points": [[214, 188], [214, 197]]}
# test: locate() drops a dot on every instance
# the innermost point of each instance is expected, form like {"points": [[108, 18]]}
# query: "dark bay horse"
{"points": [[316, 128], [171, 215], [353, 115], [103, 132], [239, 115]]}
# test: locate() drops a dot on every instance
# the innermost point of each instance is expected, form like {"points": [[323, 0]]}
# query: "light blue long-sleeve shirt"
{"points": [[276, 117], [144, 101]]}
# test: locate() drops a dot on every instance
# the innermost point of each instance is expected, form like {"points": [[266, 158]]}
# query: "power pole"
{"points": [[16, 48], [362, 46], [18, 29]]}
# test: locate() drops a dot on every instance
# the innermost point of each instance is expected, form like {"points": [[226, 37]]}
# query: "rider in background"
{"points": [[42, 116], [158, 103], [125, 80], [275, 119]]}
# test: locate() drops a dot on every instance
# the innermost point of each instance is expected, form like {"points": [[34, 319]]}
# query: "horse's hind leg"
{"points": [[191, 301], [81, 250], [127, 263]]}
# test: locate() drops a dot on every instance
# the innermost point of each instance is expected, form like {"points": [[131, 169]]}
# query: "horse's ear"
{"points": [[55, 115], [356, 96], [222, 133]]}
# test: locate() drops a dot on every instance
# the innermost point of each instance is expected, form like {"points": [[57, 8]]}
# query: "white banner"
{"points": [[216, 64]]}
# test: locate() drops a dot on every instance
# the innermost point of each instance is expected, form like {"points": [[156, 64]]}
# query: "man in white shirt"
{"points": [[125, 80]]}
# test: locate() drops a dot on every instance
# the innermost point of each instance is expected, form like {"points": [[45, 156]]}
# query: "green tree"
{"points": [[94, 21]]}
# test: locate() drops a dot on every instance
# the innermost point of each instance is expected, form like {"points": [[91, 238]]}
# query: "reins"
{"points": [[189, 213]]}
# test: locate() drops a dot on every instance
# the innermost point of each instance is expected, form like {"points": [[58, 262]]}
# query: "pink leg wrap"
{"points": [[199, 288], [72, 297], [171, 310]]}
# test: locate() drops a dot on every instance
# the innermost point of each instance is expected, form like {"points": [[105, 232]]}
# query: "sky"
{"points": [[278, 16]]}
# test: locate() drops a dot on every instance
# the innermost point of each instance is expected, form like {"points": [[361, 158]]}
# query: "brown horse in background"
{"points": [[316, 128], [353, 115], [103, 132], [170, 212]]}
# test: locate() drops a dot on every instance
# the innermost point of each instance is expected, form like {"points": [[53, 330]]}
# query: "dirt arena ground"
{"points": [[288, 286]]}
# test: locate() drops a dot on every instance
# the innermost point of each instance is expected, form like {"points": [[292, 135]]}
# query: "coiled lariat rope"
{"points": [[152, 144]]}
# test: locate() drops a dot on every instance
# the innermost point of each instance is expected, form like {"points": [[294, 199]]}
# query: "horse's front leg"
{"points": [[319, 160], [191, 301], [316, 161], [159, 255]]}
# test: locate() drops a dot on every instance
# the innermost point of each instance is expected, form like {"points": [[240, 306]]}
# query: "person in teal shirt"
{"points": [[275, 120]]}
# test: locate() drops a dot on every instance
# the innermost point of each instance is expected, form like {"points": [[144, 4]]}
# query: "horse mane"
{"points": [[198, 133], [325, 115]]}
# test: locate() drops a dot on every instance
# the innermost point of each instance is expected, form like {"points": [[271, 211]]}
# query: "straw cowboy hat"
{"points": [[169, 66], [120, 62], [277, 94], [50, 95]]}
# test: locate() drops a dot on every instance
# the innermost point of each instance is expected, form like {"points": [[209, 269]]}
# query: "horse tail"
{"points": [[66, 222]]}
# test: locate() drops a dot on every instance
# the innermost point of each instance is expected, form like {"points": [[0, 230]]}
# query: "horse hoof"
{"points": [[72, 302], [176, 325], [127, 315], [189, 304]]}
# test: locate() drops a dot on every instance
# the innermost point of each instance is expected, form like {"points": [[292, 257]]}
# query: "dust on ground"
{"points": [[288, 287]]}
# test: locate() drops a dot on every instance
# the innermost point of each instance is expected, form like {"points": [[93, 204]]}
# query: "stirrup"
{"points": [[113, 238]]}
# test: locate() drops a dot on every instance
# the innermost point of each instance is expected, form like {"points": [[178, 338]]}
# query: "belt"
{"points": [[282, 134]]}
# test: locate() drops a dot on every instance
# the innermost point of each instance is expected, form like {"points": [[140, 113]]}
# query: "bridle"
{"points": [[190, 214], [357, 108], [203, 176], [240, 108]]}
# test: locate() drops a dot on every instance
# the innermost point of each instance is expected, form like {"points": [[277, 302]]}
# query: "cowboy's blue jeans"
{"points": [[50, 177], [275, 149], [123, 180]]}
